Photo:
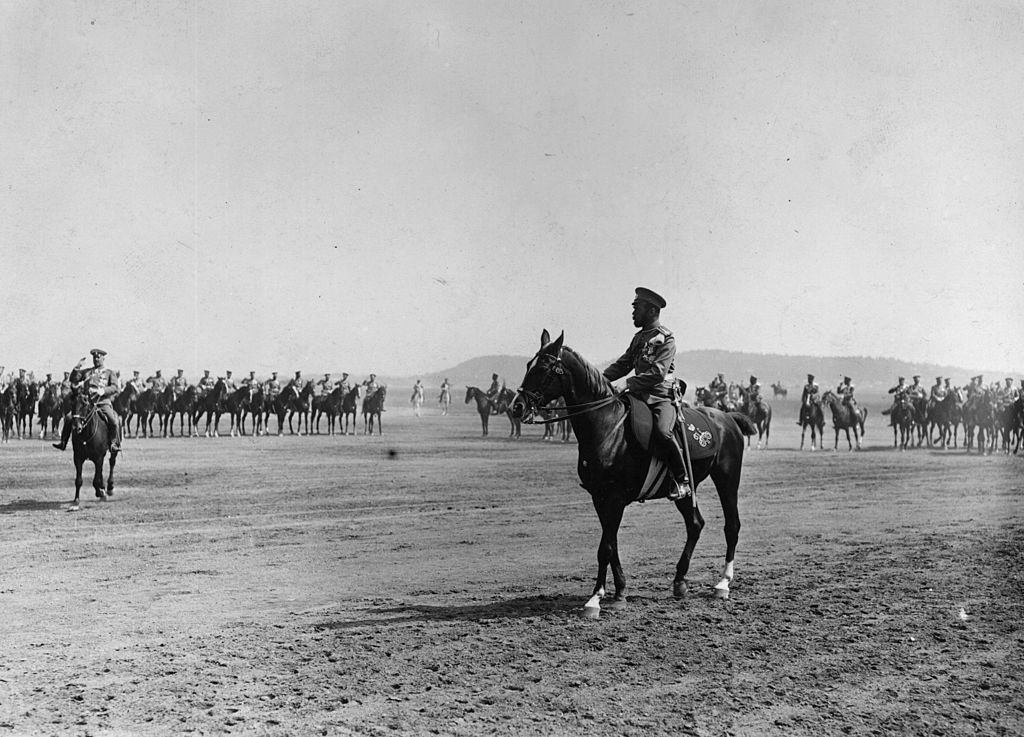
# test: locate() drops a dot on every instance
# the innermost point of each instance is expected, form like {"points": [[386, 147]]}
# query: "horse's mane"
{"points": [[594, 380]]}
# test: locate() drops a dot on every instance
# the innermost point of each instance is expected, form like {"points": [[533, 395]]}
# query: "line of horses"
{"points": [[150, 413], [989, 424]]}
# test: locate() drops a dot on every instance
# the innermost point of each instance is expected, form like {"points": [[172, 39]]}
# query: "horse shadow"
{"points": [[560, 605], [30, 505]]}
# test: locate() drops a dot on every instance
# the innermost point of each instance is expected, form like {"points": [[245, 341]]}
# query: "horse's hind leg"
{"points": [[728, 485], [610, 514], [110, 475], [79, 462], [694, 524]]}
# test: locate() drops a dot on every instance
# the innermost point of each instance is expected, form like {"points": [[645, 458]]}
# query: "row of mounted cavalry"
{"points": [[150, 413]]}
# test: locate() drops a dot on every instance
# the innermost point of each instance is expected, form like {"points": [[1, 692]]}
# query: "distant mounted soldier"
{"points": [[229, 383], [207, 382], [938, 391], [272, 386], [845, 390], [179, 383], [899, 394], [808, 396]]}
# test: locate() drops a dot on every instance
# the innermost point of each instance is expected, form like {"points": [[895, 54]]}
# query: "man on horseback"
{"points": [[206, 383], [272, 386], [651, 357], [753, 391], [809, 394], [325, 385], [917, 390], [157, 382], [938, 392], [179, 383], [720, 390], [101, 385], [899, 395], [492, 393], [229, 383], [845, 390], [136, 382], [343, 384], [250, 381], [296, 383]]}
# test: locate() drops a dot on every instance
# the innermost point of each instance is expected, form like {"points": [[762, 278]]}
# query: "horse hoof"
{"points": [[722, 591], [679, 589], [616, 605]]}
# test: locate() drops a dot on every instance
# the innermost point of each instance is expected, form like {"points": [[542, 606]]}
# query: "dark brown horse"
{"points": [[90, 442], [503, 405], [28, 395], [350, 409], [845, 418], [211, 404], [902, 422], [483, 405], [612, 466], [759, 412], [185, 410], [48, 412], [8, 399], [373, 405], [237, 405], [812, 416], [944, 416]]}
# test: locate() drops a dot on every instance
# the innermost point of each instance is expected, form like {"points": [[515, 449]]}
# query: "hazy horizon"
{"points": [[394, 188]]}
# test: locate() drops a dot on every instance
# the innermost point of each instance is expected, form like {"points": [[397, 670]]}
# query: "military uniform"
{"points": [[1005, 394], [157, 383], [136, 382], [101, 383], [651, 357], [917, 390], [845, 392], [250, 380], [272, 386], [719, 389], [754, 391], [808, 395], [938, 392], [180, 383], [229, 383], [325, 385], [207, 382], [371, 385], [344, 385]]}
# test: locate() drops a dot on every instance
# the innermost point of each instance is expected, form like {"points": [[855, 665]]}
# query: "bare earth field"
{"points": [[430, 581]]}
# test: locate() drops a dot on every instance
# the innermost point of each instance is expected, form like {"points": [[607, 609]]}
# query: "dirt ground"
{"points": [[430, 581]]}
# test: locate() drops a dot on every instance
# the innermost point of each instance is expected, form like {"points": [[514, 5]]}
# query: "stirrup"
{"points": [[681, 491]]}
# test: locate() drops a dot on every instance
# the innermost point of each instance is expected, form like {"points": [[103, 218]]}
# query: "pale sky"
{"points": [[398, 187]]}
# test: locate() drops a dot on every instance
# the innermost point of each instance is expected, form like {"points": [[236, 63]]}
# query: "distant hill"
{"points": [[699, 367]]}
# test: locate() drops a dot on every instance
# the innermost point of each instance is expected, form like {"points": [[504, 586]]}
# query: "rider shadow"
{"points": [[30, 505], [561, 605]]}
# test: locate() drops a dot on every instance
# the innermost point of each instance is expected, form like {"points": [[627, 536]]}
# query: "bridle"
{"points": [[83, 422], [555, 371]]}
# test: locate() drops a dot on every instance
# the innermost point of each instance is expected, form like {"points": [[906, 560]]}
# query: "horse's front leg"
{"points": [[79, 462], [610, 514], [97, 478]]}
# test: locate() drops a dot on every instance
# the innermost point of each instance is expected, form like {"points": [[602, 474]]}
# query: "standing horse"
{"points": [[211, 404], [483, 405], [237, 406], [612, 465], [902, 422], [760, 413], [28, 395], [47, 404], [164, 408], [555, 428], [812, 416], [7, 402], [373, 405], [503, 404], [778, 390], [124, 406], [185, 409], [350, 409], [844, 418], [90, 442], [145, 407], [329, 405]]}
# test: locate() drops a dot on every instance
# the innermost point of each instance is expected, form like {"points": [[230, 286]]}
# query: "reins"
{"points": [[583, 409]]}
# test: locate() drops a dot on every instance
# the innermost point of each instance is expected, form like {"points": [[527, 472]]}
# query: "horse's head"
{"points": [[545, 378], [82, 410], [470, 393]]}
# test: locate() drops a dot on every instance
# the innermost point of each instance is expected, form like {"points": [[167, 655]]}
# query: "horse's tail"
{"points": [[747, 427]]}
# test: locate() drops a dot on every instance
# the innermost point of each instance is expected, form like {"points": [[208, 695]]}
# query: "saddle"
{"points": [[693, 427]]}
